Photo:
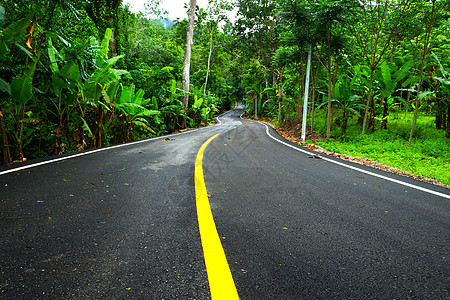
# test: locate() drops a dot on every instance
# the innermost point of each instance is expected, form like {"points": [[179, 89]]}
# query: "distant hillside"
{"points": [[165, 22]]}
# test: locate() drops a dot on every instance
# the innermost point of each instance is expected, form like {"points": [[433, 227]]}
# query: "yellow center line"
{"points": [[221, 282]]}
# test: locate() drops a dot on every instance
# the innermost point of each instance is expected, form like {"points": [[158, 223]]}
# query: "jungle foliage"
{"points": [[84, 74]]}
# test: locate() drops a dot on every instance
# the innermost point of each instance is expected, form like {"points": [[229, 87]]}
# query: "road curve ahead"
{"points": [[123, 223]]}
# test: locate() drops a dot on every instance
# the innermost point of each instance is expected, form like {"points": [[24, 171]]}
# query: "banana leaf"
{"points": [[5, 87]]}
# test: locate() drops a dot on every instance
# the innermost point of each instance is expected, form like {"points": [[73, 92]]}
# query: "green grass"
{"points": [[428, 156]]}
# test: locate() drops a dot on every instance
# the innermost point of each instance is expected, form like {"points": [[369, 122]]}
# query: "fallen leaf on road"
{"points": [[90, 186], [106, 173]]}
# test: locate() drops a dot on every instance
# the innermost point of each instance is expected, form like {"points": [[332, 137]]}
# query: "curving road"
{"points": [[121, 223]]}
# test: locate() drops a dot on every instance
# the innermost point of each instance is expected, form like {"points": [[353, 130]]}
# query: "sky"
{"points": [[174, 7]]}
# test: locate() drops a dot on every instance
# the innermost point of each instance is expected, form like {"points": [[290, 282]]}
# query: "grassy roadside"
{"points": [[428, 156]]}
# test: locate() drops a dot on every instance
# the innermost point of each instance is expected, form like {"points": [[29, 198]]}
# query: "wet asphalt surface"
{"points": [[122, 224]]}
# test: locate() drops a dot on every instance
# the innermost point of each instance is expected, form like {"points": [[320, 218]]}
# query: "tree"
{"points": [[421, 69], [212, 16], [187, 56], [256, 34], [373, 29], [330, 15]]}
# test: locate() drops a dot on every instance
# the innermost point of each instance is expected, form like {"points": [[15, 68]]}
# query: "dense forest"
{"points": [[83, 74]]}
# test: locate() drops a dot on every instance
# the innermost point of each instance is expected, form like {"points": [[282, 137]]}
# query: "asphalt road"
{"points": [[121, 223]]}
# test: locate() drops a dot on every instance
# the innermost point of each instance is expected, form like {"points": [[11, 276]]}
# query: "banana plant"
{"points": [[205, 111], [197, 105], [101, 87], [270, 107], [347, 100], [172, 108], [213, 103], [389, 76], [67, 88], [19, 90], [444, 80], [132, 110]]}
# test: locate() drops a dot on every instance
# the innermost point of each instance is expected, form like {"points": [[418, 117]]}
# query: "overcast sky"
{"points": [[174, 7]]}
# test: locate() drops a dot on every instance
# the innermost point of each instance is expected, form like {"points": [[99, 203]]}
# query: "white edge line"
{"points": [[358, 169], [92, 151]]}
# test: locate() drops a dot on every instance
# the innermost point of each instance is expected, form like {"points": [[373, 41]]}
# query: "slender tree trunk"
{"points": [[408, 97], [344, 123], [385, 113], [368, 102], [4, 141], [300, 92], [267, 85], [20, 141], [314, 93], [439, 120], [99, 127], [187, 57], [419, 86], [329, 83], [281, 108], [209, 61], [256, 107], [448, 120]]}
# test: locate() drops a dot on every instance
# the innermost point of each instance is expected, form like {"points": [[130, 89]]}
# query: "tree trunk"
{"points": [[313, 96], [281, 108], [187, 57], [385, 113], [329, 83], [300, 92], [419, 86], [439, 120], [371, 123], [99, 127], [448, 120], [408, 97], [344, 123], [267, 85], [368, 102], [4, 141], [20, 141], [256, 107], [209, 61]]}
